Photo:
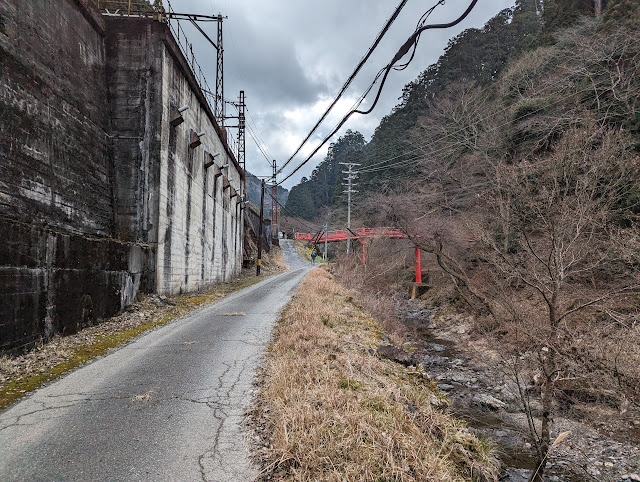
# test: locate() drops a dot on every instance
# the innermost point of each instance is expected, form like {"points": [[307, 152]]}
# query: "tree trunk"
{"points": [[548, 365], [546, 397], [597, 7]]}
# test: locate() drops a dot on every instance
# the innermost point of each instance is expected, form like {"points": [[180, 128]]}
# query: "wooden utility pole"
{"points": [[259, 261], [351, 175]]}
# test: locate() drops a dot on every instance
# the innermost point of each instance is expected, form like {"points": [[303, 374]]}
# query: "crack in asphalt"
{"points": [[45, 407], [227, 409], [201, 369]]}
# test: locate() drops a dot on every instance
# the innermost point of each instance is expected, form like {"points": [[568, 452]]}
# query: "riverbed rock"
{"points": [[445, 387], [437, 347], [488, 401], [516, 475], [393, 353]]}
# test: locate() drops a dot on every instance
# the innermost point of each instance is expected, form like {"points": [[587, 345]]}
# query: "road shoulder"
{"points": [[328, 407]]}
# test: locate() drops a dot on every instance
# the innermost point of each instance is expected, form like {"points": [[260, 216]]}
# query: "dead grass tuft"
{"points": [[144, 397], [329, 409]]}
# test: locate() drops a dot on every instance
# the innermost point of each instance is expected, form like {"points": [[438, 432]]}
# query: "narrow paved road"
{"points": [[167, 407]]}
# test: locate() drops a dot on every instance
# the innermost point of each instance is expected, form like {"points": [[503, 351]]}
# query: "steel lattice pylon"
{"points": [[219, 107], [241, 135]]}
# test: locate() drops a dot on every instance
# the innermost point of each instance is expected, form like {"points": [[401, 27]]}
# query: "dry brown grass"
{"points": [[329, 409], [273, 261]]}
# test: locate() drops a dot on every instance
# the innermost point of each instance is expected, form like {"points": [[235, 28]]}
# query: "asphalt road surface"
{"points": [[168, 406]]}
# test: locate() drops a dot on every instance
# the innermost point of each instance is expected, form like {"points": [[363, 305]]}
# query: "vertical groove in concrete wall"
{"points": [[225, 222], [169, 203], [187, 247], [213, 230], [203, 229]]}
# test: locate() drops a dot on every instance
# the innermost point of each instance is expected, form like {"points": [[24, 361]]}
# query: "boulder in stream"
{"points": [[488, 401]]}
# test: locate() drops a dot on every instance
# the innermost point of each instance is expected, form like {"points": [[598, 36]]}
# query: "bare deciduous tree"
{"points": [[542, 246]]}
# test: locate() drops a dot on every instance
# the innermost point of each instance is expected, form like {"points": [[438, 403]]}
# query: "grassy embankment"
{"points": [[304, 250], [22, 374], [329, 409]]}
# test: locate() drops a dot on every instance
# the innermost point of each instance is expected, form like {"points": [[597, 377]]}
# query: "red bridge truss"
{"points": [[359, 234], [364, 234]]}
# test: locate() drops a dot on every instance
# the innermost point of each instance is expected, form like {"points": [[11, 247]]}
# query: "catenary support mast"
{"points": [[241, 139], [219, 107]]}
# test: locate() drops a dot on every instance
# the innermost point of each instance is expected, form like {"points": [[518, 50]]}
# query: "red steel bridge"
{"points": [[361, 235], [365, 234]]}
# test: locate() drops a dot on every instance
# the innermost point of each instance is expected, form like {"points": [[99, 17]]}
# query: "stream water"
{"points": [[483, 399]]}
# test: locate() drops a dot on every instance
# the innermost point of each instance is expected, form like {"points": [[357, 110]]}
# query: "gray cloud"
{"points": [[289, 55]]}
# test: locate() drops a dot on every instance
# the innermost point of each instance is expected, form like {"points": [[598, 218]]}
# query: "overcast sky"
{"points": [[291, 57]]}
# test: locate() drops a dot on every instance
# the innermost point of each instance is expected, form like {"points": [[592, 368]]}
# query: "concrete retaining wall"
{"points": [[165, 196], [99, 196]]}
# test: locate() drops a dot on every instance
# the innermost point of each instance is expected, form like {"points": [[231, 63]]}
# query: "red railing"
{"points": [[341, 234]]}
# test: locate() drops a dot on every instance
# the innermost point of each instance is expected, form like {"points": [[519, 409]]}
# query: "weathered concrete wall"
{"points": [[200, 236], [134, 93], [165, 196], [54, 124], [100, 195], [59, 266]]}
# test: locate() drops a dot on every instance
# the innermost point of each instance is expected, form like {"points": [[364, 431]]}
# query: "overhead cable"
{"points": [[412, 40], [349, 80], [283, 207]]}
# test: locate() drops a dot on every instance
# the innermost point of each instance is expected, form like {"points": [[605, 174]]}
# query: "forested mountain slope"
{"points": [[472, 67], [253, 190]]}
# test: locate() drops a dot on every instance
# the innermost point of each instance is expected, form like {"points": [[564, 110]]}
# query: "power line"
{"points": [[258, 141], [258, 144], [301, 220], [413, 39], [347, 83], [261, 138], [380, 167]]}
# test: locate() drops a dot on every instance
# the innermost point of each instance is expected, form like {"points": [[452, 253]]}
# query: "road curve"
{"points": [[168, 406]]}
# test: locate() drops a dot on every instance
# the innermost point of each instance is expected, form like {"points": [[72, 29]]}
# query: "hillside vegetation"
{"points": [[515, 161], [475, 60]]}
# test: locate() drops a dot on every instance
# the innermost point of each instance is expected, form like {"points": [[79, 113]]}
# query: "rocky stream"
{"points": [[482, 394]]}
